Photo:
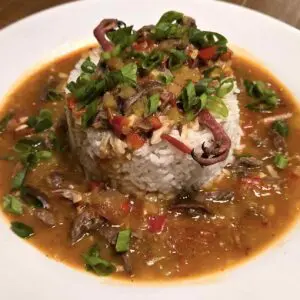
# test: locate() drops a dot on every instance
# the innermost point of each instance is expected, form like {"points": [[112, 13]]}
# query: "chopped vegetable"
{"points": [[214, 72], [176, 59], [19, 178], [207, 53], [22, 230], [281, 161], [12, 204], [153, 104], [156, 223], [88, 66], [226, 86], [122, 244], [155, 122], [89, 113], [217, 107], [120, 125], [123, 36], [177, 144], [41, 122], [166, 78], [4, 121], [135, 141], [205, 39], [153, 60], [96, 264], [265, 98], [281, 127]]}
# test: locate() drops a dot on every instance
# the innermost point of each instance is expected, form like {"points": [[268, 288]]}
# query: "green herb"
{"points": [[204, 39], [153, 60], [4, 121], [129, 73], [170, 17], [226, 86], [123, 36], [281, 161], [189, 99], [264, 98], [281, 127], [41, 122], [90, 113], [176, 59], [88, 66], [19, 179], [166, 78], [12, 204], [22, 230], [96, 264], [122, 244], [153, 104], [53, 95], [203, 86], [43, 155], [217, 106]]}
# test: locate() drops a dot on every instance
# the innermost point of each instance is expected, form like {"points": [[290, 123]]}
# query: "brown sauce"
{"points": [[187, 247]]}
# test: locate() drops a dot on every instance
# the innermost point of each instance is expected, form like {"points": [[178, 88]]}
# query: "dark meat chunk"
{"points": [[248, 162], [55, 179], [35, 197], [45, 216], [88, 220], [278, 141], [127, 262]]}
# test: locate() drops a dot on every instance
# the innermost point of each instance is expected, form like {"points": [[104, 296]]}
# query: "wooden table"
{"points": [[285, 10]]}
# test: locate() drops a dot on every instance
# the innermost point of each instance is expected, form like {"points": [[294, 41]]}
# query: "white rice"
{"points": [[161, 167]]}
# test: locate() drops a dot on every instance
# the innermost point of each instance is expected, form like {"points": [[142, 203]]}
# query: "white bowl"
{"points": [[25, 273]]}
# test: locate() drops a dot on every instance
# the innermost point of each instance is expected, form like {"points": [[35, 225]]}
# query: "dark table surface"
{"points": [[285, 10]]}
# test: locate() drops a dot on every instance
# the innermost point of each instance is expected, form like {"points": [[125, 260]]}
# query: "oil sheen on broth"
{"points": [[148, 236]]}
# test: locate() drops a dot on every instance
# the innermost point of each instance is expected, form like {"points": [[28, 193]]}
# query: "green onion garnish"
{"points": [[153, 104], [22, 230], [281, 127], [88, 66], [12, 204], [281, 161], [123, 240]]}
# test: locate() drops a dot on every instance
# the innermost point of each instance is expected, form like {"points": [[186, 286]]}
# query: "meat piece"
{"points": [[88, 220], [45, 216], [100, 31], [221, 144], [191, 208], [35, 197], [215, 196], [172, 43], [248, 162], [109, 205], [55, 179], [127, 262], [72, 195], [278, 141], [109, 233]]}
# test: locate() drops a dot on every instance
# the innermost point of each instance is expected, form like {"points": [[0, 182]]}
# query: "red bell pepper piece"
{"points": [[156, 223], [120, 125], [155, 122], [176, 143], [135, 141], [207, 53]]}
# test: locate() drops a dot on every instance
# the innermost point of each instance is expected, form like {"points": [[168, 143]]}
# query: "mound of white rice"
{"points": [[161, 167]]}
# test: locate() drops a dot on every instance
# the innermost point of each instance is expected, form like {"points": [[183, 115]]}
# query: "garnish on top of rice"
{"points": [[154, 109]]}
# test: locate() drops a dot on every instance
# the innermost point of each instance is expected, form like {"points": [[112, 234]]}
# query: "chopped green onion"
{"points": [[4, 121], [12, 204], [213, 72], [41, 122], [281, 127], [226, 86], [176, 59], [204, 39], [94, 263], [18, 179], [281, 161], [122, 244], [42, 155], [106, 55], [170, 17], [22, 230], [90, 113], [88, 66], [217, 107], [153, 104], [153, 60]]}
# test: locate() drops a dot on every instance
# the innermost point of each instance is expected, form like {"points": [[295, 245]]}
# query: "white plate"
{"points": [[25, 273]]}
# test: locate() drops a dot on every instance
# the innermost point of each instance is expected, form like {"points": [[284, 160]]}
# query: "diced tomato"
{"points": [[156, 223], [155, 122], [120, 125], [126, 206], [95, 186], [71, 103], [135, 141], [176, 143], [251, 181], [143, 45], [207, 53]]}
